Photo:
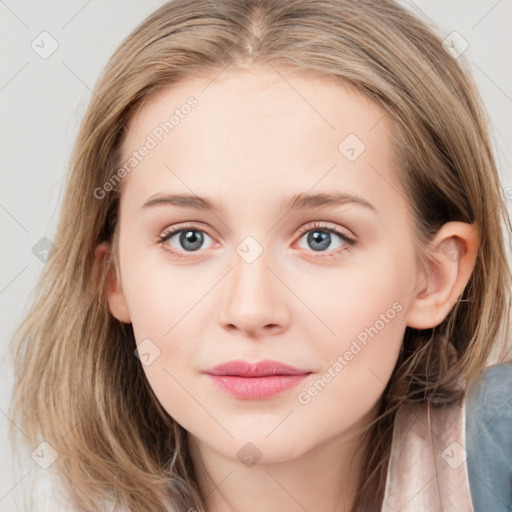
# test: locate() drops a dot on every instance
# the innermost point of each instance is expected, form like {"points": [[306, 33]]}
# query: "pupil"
{"points": [[323, 238]]}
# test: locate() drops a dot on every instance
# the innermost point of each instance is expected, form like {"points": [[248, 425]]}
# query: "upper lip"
{"points": [[260, 369]]}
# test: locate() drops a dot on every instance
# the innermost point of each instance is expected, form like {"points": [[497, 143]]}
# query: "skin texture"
{"points": [[251, 142]]}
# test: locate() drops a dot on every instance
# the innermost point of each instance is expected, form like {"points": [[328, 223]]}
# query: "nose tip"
{"points": [[254, 301]]}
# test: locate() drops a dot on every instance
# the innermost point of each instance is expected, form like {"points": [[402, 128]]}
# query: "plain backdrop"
{"points": [[42, 101]]}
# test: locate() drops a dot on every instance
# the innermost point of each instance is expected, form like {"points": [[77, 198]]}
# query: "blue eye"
{"points": [[189, 239], [184, 239], [320, 237]]}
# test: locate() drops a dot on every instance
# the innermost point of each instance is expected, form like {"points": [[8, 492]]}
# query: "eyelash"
{"points": [[316, 226]]}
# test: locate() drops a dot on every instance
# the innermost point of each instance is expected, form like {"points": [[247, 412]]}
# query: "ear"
{"points": [[115, 297], [452, 257]]}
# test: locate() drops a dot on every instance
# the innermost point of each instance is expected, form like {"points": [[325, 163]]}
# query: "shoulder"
{"points": [[489, 438], [493, 379], [489, 400]]}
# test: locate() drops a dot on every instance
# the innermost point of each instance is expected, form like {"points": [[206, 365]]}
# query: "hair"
{"points": [[78, 385]]}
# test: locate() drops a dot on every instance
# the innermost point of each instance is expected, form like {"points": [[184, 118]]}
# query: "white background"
{"points": [[43, 100]]}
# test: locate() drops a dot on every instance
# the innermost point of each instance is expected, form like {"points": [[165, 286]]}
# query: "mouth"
{"points": [[258, 381]]}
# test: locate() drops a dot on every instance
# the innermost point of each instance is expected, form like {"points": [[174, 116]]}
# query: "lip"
{"points": [[256, 381]]}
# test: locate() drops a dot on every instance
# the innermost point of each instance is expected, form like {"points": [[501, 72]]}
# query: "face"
{"points": [[320, 284]]}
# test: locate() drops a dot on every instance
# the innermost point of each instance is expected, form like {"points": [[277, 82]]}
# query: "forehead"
{"points": [[270, 97], [258, 127]]}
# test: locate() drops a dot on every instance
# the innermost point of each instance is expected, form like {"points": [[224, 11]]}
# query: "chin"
{"points": [[267, 449]]}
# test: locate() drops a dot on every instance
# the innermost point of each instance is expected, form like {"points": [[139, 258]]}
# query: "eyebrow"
{"points": [[301, 201]]}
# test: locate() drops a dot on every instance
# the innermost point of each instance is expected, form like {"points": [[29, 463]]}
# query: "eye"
{"points": [[320, 238], [182, 239]]}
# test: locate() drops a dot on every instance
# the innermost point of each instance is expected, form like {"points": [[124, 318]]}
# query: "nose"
{"points": [[256, 301]]}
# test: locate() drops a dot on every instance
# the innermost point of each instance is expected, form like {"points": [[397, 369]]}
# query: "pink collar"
{"points": [[427, 469]]}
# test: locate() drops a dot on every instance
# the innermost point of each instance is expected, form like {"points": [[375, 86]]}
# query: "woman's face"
{"points": [[270, 164]]}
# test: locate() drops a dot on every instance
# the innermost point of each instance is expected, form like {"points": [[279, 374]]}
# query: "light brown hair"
{"points": [[78, 384]]}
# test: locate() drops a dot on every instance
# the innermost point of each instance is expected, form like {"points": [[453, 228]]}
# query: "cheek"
{"points": [[159, 295], [368, 322], [364, 301], [163, 318], [357, 365], [166, 312]]}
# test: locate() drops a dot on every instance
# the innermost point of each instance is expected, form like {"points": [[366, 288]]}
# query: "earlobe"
{"points": [[451, 260], [113, 290]]}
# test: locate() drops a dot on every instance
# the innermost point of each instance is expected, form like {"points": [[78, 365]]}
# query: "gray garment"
{"points": [[489, 440]]}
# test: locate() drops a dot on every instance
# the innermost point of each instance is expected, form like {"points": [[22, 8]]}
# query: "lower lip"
{"points": [[257, 388]]}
